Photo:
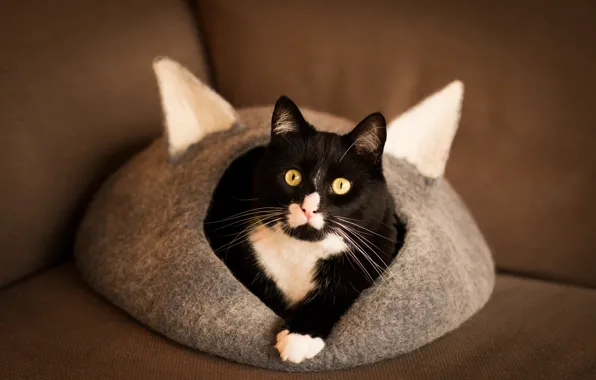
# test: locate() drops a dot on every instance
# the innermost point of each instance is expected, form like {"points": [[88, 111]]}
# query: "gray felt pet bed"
{"points": [[143, 247]]}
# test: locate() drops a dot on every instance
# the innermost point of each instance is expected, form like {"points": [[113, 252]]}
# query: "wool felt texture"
{"points": [[142, 246]]}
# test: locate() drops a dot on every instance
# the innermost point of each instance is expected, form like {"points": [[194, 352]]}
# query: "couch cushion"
{"points": [[53, 327], [78, 96], [523, 158]]}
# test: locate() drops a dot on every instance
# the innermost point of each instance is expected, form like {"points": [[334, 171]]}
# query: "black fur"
{"points": [[257, 180]]}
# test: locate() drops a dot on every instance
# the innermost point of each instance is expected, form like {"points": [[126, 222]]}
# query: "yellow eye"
{"points": [[341, 186], [293, 177]]}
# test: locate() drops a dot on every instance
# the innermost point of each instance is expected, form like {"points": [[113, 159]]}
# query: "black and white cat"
{"points": [[314, 229]]}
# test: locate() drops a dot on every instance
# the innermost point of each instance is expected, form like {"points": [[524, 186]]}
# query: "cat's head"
{"points": [[310, 181]]}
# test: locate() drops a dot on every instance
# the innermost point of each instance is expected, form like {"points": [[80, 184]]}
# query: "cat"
{"points": [[307, 223]]}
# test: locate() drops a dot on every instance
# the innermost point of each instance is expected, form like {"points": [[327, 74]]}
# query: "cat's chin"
{"points": [[305, 232]]}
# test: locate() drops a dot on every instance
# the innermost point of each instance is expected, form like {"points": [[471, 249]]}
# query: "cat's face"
{"points": [[309, 181]]}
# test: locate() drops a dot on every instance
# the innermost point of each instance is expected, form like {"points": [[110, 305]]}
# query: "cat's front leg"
{"points": [[306, 329]]}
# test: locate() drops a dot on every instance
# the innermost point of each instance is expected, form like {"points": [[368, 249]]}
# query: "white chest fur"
{"points": [[290, 262]]}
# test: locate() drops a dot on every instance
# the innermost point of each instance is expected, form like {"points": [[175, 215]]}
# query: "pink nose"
{"points": [[308, 213], [310, 205]]}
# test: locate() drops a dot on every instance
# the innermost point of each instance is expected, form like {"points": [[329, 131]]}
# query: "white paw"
{"points": [[296, 348]]}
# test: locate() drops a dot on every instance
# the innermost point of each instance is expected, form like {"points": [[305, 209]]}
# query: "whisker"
{"points": [[380, 222], [375, 219], [245, 213], [244, 234], [261, 217], [374, 265], [381, 271], [363, 240], [269, 224], [364, 228], [253, 210], [354, 258], [249, 217], [360, 264]]}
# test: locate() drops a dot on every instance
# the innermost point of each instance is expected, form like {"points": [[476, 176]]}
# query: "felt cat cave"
{"points": [[142, 243]]}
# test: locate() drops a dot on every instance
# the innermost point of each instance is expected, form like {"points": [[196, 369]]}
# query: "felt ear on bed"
{"points": [[192, 110], [423, 134]]}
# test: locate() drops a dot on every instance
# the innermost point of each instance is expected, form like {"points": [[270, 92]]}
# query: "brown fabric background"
{"points": [[77, 96], [53, 327], [524, 159]]}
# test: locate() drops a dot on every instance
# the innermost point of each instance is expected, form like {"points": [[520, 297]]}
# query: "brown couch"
{"points": [[77, 98]]}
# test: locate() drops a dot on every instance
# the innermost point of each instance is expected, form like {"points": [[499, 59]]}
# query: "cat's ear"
{"points": [[192, 110], [286, 117], [368, 137], [423, 135]]}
